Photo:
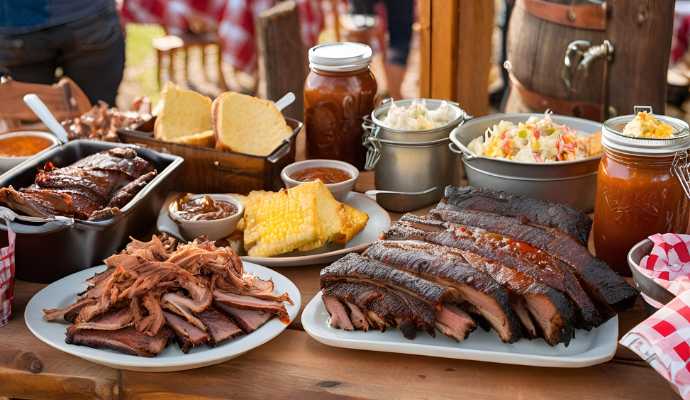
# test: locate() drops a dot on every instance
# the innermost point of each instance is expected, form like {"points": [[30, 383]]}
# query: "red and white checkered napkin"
{"points": [[663, 340], [7, 277]]}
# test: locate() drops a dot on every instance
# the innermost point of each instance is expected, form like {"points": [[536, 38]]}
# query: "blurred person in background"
{"points": [[82, 38], [400, 17]]}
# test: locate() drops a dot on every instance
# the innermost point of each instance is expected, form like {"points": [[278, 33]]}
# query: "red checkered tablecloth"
{"points": [[7, 277], [234, 19], [663, 340]]}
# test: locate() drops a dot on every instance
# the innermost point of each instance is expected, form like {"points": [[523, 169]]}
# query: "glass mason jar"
{"points": [[339, 92], [637, 192]]}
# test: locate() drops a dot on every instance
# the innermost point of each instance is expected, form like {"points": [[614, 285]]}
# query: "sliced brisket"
{"points": [[218, 325], [126, 340], [248, 320], [187, 335], [252, 303]]}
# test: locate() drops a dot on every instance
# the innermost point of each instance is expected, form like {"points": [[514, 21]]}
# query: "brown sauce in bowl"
{"points": [[203, 208], [324, 174], [23, 146]]}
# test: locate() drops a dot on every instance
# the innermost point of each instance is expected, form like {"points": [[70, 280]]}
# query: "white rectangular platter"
{"points": [[587, 348]]}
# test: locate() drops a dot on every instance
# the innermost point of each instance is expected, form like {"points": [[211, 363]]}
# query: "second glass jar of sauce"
{"points": [[637, 193], [339, 92]]}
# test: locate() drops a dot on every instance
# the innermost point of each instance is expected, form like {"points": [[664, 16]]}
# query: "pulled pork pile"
{"points": [[102, 121], [153, 291]]}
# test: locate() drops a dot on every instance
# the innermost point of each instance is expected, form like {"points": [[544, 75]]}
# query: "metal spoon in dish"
{"points": [[43, 113], [403, 201]]}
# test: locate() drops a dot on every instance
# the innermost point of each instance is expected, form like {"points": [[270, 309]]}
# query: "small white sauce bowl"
{"points": [[7, 163], [214, 229], [339, 190]]}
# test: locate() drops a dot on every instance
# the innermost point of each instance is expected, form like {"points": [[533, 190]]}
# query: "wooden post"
{"points": [[455, 45], [282, 55]]}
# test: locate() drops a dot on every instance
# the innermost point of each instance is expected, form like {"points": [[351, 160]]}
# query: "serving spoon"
{"points": [[43, 113], [403, 201], [287, 99]]}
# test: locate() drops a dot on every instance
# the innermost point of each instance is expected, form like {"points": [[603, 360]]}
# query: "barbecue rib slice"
{"points": [[377, 307], [467, 284], [84, 189], [395, 297], [483, 285], [539, 212], [521, 257], [126, 340], [601, 282]]}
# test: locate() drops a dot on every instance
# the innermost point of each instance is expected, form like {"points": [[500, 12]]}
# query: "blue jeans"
{"points": [[90, 51], [400, 20]]}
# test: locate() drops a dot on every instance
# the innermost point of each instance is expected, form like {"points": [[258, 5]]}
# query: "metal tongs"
{"points": [[9, 215]]}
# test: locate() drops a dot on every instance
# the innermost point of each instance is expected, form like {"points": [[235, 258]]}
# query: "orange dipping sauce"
{"points": [[23, 146], [324, 174]]}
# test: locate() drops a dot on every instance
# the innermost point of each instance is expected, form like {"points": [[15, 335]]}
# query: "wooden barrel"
{"points": [[540, 31]]}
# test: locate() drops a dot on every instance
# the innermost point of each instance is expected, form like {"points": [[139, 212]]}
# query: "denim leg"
{"points": [[28, 57], [365, 7], [95, 56], [400, 20]]}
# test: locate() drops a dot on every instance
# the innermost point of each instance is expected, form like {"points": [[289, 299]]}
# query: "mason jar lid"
{"points": [[613, 138], [340, 56]]}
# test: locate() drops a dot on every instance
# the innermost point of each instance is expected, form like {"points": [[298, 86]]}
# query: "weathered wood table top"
{"points": [[295, 366]]}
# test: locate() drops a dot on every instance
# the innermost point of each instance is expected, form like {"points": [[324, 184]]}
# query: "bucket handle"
{"points": [[370, 141], [460, 149]]}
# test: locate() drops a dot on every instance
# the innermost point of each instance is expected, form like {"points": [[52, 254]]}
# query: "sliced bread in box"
{"points": [[249, 125], [185, 117]]}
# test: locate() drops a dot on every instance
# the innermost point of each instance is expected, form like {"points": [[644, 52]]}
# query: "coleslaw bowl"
{"points": [[568, 182]]}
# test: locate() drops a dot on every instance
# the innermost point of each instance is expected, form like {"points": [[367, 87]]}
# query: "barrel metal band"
{"points": [[582, 16], [540, 102]]}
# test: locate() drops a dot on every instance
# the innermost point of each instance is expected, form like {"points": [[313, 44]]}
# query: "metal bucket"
{"points": [[411, 161], [569, 182]]}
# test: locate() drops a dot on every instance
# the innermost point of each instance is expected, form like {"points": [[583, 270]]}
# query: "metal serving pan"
{"points": [[568, 182], [52, 248]]}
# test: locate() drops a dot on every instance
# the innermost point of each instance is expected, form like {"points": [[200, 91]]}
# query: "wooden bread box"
{"points": [[207, 170]]}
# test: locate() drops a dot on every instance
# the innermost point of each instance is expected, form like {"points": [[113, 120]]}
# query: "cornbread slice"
{"points": [[202, 139], [247, 124], [302, 218], [277, 223], [353, 221], [183, 113], [329, 211]]}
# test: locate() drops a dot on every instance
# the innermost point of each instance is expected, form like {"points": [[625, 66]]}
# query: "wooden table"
{"points": [[295, 366]]}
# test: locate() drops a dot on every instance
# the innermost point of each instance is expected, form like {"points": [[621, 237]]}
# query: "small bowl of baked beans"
{"points": [[338, 176]]}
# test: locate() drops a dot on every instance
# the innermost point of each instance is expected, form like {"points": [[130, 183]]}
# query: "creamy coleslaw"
{"points": [[417, 117], [538, 140]]}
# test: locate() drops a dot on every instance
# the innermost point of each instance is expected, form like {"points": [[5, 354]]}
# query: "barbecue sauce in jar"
{"points": [[637, 193], [339, 92]]}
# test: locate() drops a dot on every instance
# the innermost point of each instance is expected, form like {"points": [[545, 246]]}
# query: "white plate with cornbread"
{"points": [[271, 233]]}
